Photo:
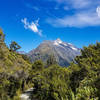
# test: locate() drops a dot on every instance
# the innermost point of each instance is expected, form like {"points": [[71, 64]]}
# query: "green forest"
{"points": [[79, 81]]}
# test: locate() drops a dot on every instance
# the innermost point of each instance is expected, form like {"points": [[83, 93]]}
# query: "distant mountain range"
{"points": [[21, 52], [63, 52]]}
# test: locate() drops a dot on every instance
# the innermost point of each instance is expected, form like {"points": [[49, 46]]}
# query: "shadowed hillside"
{"points": [[13, 71]]}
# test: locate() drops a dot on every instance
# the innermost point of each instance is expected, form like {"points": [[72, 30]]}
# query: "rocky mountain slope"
{"points": [[63, 52]]}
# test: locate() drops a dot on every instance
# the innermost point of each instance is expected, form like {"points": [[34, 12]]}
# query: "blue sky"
{"points": [[29, 22]]}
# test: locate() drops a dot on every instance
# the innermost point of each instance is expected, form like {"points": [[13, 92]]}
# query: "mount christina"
{"points": [[63, 52]]}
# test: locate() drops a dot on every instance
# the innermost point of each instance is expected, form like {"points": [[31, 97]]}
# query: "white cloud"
{"points": [[78, 3], [98, 11], [33, 26], [77, 20], [81, 3], [84, 13]]}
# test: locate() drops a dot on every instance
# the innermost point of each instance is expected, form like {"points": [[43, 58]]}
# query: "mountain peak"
{"points": [[58, 40]]}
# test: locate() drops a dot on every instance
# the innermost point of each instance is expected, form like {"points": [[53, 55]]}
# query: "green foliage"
{"points": [[2, 36], [38, 65], [13, 73], [26, 58], [79, 81], [14, 46], [51, 60], [51, 83], [87, 90]]}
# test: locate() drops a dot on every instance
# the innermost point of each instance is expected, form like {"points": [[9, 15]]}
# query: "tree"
{"points": [[38, 65], [51, 60], [26, 58], [2, 36], [14, 46]]}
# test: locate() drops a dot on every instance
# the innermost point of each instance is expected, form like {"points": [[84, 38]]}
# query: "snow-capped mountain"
{"points": [[63, 52]]}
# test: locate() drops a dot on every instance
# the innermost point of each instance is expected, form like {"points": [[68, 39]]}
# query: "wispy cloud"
{"points": [[77, 20], [33, 26], [86, 13], [76, 13], [32, 7], [78, 3]]}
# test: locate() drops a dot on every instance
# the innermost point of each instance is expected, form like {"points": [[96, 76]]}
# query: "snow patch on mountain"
{"points": [[69, 43], [58, 42], [74, 48], [65, 44]]}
